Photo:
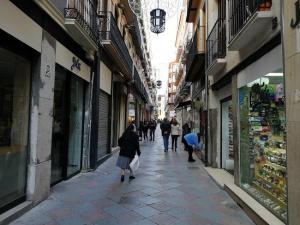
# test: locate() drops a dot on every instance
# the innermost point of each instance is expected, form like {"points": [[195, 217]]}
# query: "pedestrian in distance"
{"points": [[192, 142], [165, 127], [175, 133], [140, 130], [152, 127], [185, 130], [145, 130], [129, 144]]}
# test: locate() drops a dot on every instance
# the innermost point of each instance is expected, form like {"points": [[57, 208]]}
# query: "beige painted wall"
{"points": [[105, 78], [64, 57], [291, 43], [19, 25]]}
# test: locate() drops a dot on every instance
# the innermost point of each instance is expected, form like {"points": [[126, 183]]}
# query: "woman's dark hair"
{"points": [[130, 128], [175, 122]]}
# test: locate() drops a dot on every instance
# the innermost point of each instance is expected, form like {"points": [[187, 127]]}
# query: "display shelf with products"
{"points": [[263, 143], [230, 126]]}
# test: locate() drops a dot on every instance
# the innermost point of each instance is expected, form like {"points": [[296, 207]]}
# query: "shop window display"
{"points": [[14, 117], [263, 142]]}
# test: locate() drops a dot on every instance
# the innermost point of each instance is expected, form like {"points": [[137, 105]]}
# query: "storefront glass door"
{"points": [[75, 127], [14, 117], [67, 125], [59, 130], [227, 154]]}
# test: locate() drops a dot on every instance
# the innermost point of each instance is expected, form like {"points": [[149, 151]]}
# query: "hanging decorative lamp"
{"points": [[157, 20]]}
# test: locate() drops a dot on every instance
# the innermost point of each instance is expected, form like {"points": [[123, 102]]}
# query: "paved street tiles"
{"points": [[167, 191]]}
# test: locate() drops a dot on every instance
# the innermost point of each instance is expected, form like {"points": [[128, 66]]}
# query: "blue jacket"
{"points": [[192, 140]]}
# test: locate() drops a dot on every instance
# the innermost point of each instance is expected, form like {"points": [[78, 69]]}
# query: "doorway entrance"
{"points": [[227, 153], [67, 131]]}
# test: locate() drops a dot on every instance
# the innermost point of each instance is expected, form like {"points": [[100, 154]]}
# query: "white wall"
{"points": [[267, 64]]}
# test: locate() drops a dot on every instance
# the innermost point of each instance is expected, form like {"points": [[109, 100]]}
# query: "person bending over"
{"points": [[192, 142]]}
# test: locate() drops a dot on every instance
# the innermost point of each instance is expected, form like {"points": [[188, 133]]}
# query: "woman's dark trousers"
{"points": [[174, 141], [189, 149], [152, 134]]}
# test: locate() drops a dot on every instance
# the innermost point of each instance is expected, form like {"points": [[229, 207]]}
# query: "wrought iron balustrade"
{"points": [[85, 13], [136, 35], [196, 47], [109, 31], [241, 11], [216, 42], [139, 84]]}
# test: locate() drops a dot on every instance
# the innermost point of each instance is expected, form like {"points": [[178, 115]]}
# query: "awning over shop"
{"points": [[184, 103]]}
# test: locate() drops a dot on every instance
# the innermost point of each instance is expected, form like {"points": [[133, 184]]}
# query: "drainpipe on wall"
{"points": [[207, 120], [95, 112]]}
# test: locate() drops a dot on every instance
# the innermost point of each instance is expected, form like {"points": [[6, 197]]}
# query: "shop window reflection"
{"points": [[14, 116]]}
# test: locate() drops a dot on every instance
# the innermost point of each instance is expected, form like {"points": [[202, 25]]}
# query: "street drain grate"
{"points": [[193, 167]]}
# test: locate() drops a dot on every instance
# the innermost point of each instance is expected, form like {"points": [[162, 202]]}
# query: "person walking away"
{"points": [[145, 130], [192, 141], [175, 133], [185, 130], [129, 144], [140, 130], [152, 127], [165, 127]]}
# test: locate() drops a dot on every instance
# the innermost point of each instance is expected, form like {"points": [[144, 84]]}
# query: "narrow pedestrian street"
{"points": [[167, 190]]}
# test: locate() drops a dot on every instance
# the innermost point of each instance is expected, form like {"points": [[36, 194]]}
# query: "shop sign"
{"points": [[131, 112], [295, 23], [76, 64]]}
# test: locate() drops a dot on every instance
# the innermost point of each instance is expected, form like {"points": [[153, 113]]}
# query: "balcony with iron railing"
{"points": [[179, 74], [183, 91], [139, 86], [248, 19], [195, 61], [112, 39], [78, 18], [191, 13], [216, 47], [135, 32], [84, 13]]}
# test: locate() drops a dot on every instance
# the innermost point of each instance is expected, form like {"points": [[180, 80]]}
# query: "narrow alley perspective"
{"points": [[167, 190]]}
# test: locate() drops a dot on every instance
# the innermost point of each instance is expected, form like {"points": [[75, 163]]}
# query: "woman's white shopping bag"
{"points": [[134, 164]]}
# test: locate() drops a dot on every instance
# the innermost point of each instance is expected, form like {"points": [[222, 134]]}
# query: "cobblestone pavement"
{"points": [[167, 191]]}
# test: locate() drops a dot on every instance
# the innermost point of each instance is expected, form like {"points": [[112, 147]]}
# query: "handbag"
{"points": [[134, 164]]}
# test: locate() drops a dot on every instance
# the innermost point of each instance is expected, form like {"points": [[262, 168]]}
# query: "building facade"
{"points": [[68, 71], [171, 91], [242, 84]]}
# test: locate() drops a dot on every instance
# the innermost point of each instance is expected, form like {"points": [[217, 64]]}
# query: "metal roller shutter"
{"points": [[104, 125]]}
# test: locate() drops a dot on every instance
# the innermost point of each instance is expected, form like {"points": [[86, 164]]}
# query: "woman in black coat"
{"points": [[129, 144]]}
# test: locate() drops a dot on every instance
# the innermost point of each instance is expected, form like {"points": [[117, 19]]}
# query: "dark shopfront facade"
{"points": [[68, 124], [15, 76], [41, 96]]}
